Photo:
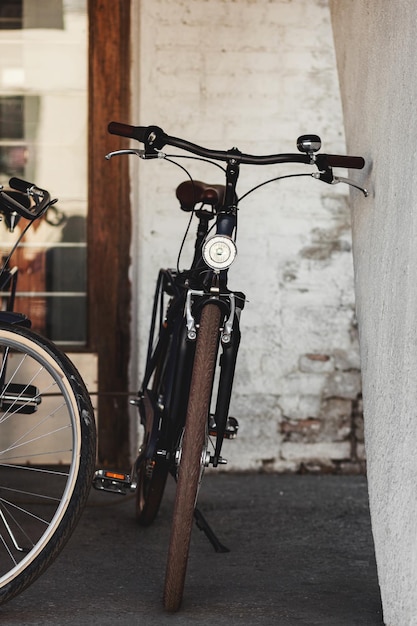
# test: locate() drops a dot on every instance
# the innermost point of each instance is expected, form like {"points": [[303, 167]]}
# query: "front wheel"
{"points": [[192, 451], [47, 455]]}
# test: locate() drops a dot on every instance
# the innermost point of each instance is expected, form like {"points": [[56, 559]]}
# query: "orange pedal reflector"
{"points": [[114, 475]]}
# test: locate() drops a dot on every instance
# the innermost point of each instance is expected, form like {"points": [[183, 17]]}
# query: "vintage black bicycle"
{"points": [[47, 426], [184, 398]]}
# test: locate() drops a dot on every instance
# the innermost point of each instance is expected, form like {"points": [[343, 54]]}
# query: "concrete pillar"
{"points": [[376, 53]]}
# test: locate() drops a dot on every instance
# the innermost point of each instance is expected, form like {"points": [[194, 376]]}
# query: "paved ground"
{"points": [[301, 555]]}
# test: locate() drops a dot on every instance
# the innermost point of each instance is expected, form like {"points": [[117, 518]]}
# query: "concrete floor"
{"points": [[301, 555]]}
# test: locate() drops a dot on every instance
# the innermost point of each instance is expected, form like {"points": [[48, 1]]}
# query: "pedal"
{"points": [[113, 482], [232, 426], [20, 398]]}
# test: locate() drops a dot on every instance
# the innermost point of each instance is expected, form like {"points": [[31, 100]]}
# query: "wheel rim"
{"points": [[34, 494]]}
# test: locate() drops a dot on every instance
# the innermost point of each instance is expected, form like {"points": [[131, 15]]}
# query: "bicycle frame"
{"points": [[189, 292]]}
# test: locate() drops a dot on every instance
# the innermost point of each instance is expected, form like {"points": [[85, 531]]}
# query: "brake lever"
{"points": [[142, 154], [349, 181], [334, 180]]}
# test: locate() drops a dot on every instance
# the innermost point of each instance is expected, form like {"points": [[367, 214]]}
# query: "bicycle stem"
{"points": [[226, 219]]}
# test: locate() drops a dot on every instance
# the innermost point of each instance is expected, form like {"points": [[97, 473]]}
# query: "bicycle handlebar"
{"points": [[155, 138], [41, 197], [21, 185]]}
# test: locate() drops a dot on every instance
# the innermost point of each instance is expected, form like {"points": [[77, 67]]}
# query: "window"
{"points": [[11, 14], [43, 139], [16, 14], [18, 121]]}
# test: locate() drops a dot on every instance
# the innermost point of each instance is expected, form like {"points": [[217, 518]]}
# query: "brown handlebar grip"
{"points": [[353, 162], [126, 130]]}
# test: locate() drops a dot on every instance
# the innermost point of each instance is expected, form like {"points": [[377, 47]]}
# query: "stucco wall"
{"points": [[375, 44], [256, 75]]}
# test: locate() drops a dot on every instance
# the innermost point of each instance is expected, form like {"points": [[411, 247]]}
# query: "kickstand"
{"points": [[203, 525]]}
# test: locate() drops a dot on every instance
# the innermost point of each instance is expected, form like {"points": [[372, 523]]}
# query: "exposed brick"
{"points": [[316, 363], [301, 430], [323, 451]]}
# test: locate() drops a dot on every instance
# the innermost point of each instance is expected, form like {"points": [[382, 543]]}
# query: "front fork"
{"points": [[230, 340], [227, 372]]}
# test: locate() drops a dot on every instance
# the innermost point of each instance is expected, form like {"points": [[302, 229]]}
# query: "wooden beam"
{"points": [[109, 223]]}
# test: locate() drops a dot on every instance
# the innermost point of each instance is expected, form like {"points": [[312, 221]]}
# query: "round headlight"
{"points": [[219, 252]]}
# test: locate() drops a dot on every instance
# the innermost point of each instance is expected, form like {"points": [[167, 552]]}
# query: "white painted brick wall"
{"points": [[256, 74]]}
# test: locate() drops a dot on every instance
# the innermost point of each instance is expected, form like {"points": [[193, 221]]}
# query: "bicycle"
{"points": [[195, 319], [47, 426]]}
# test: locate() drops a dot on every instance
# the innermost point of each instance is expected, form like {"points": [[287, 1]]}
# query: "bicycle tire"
{"points": [[47, 455], [191, 463], [152, 478], [151, 473]]}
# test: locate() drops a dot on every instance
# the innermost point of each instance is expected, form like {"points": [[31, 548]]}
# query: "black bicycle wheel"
{"points": [[47, 455], [151, 472], [152, 476], [193, 448]]}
